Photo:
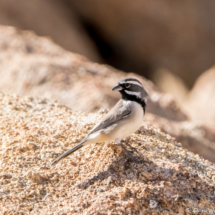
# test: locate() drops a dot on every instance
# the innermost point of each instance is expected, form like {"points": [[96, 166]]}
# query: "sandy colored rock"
{"points": [[194, 136], [201, 102], [141, 37], [150, 35], [32, 65], [100, 178]]}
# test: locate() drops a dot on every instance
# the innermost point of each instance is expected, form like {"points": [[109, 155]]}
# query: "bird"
{"points": [[121, 121]]}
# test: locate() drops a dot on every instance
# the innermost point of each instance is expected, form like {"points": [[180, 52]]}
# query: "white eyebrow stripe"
{"points": [[133, 82], [138, 94]]}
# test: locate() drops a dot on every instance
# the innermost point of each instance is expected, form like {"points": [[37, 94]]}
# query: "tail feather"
{"points": [[72, 150]]}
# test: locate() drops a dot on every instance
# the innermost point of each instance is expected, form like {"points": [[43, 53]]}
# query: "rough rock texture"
{"points": [[194, 136], [49, 18], [32, 65], [98, 179], [201, 101], [155, 34]]}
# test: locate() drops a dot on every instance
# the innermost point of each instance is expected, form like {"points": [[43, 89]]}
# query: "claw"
{"points": [[131, 156], [126, 143]]}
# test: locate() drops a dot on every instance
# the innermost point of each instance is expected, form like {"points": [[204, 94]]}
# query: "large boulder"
{"points": [[201, 100], [32, 65], [155, 34], [143, 36], [35, 66], [98, 179]]}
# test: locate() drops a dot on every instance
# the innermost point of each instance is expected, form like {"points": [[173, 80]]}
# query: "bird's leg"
{"points": [[126, 143], [131, 156]]}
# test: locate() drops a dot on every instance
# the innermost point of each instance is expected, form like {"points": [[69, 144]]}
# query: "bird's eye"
{"points": [[127, 85]]}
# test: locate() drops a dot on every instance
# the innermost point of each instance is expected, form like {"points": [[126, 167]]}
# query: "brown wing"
{"points": [[118, 112]]}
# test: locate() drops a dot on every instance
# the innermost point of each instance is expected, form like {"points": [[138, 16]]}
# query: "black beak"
{"points": [[117, 88]]}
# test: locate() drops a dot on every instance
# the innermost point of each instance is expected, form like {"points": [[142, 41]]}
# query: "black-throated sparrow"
{"points": [[122, 120]]}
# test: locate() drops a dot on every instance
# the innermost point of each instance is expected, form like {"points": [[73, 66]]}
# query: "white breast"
{"points": [[133, 122]]}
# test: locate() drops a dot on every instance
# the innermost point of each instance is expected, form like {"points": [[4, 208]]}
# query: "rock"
{"points": [[193, 135], [150, 35], [51, 72], [201, 101], [155, 36], [51, 19], [169, 83], [36, 177], [32, 65], [99, 178]]}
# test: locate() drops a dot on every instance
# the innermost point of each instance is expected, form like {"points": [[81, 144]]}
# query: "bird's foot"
{"points": [[126, 143], [128, 153]]}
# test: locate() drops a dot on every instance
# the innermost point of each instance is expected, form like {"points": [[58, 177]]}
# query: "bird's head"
{"points": [[131, 89]]}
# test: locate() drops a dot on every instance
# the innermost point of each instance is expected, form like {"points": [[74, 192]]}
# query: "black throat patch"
{"points": [[134, 98]]}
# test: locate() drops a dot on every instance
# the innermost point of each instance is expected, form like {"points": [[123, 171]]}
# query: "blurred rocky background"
{"points": [[168, 45]]}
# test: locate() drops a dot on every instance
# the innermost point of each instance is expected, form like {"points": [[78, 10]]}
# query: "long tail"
{"points": [[75, 148]]}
